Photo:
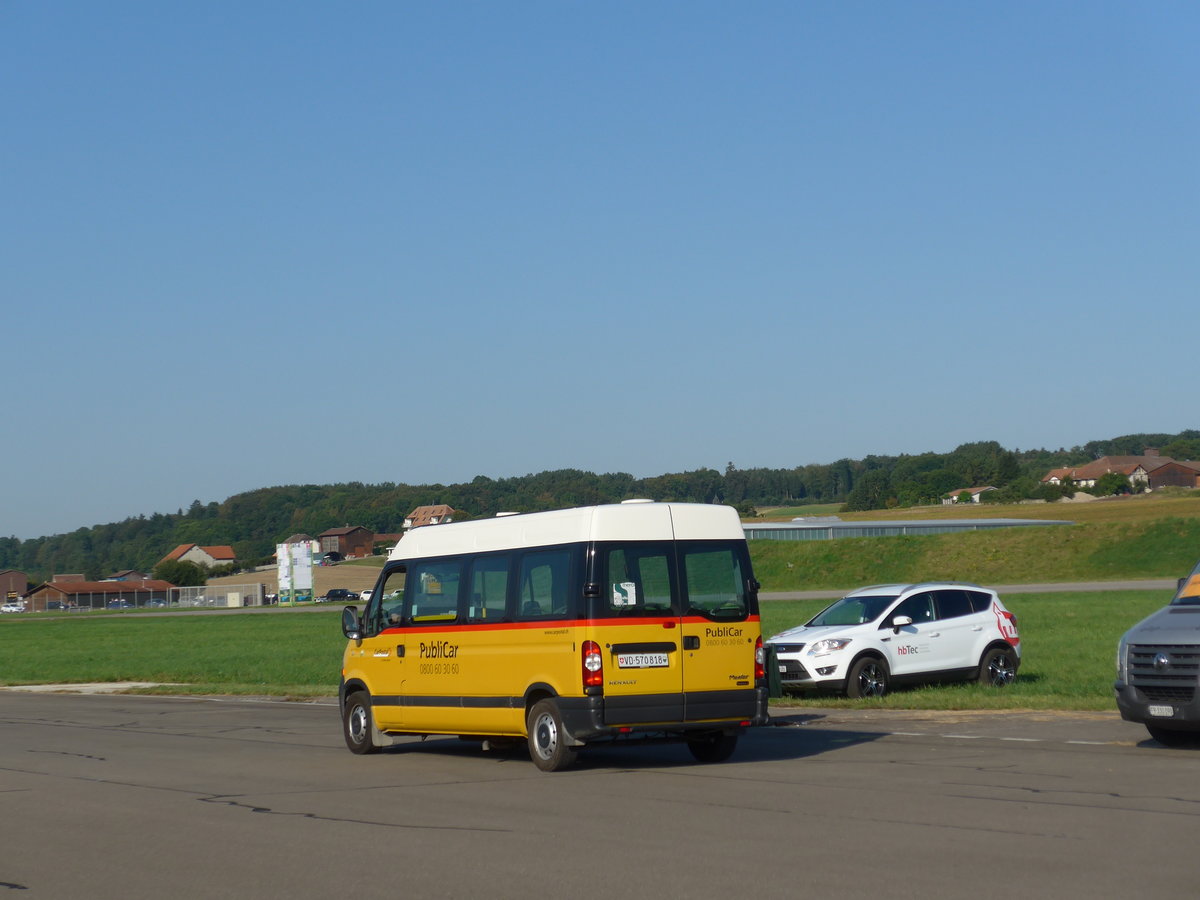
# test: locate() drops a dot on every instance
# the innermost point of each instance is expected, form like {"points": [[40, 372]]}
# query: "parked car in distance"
{"points": [[331, 557], [365, 596], [338, 595], [119, 604], [1156, 669], [13, 607], [888, 634]]}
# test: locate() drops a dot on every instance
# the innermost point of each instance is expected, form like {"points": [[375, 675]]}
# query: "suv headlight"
{"points": [[1122, 660], [829, 645]]}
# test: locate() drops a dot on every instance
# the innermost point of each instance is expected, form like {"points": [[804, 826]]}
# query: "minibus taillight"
{"points": [[593, 665], [760, 660]]}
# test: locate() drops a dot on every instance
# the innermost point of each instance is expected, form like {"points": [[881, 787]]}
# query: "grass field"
{"points": [[1099, 551], [1068, 639], [1068, 645]]}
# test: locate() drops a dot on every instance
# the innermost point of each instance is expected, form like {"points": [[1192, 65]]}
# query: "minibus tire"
{"points": [[712, 748], [547, 738], [357, 726]]}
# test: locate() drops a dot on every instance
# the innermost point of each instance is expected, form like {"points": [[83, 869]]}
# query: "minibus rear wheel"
{"points": [[547, 739], [712, 748], [357, 726]]}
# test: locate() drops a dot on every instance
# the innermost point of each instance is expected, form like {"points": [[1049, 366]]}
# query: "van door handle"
{"points": [[691, 642], [399, 651], [977, 628], [935, 634]]}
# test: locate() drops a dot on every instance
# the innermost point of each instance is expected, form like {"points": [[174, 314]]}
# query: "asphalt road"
{"points": [[150, 797]]}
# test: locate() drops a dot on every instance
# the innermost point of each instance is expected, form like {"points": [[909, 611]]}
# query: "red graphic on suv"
{"points": [[1007, 623]]}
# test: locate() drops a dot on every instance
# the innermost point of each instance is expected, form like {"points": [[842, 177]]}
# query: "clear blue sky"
{"points": [[252, 243]]}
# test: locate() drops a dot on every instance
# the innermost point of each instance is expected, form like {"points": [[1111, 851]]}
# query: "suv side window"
{"points": [[953, 603], [980, 602], [918, 607]]}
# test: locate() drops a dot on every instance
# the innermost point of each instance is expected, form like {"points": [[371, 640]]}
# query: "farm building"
{"points": [[350, 541]]}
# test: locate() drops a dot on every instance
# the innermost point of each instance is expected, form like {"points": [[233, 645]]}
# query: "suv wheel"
{"points": [[868, 678], [998, 668]]}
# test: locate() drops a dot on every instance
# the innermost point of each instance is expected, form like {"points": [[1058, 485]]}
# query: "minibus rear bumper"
{"points": [[589, 718]]}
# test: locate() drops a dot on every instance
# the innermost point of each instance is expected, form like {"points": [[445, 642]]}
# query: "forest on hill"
{"points": [[255, 521]]}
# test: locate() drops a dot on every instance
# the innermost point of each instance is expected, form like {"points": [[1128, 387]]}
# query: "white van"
{"points": [[1157, 662]]}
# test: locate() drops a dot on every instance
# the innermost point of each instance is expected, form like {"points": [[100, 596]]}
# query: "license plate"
{"points": [[1162, 711], [642, 660]]}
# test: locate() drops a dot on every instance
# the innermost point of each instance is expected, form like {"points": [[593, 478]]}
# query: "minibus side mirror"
{"points": [[899, 622], [351, 623]]}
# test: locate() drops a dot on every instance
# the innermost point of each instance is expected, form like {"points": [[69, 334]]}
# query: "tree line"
{"points": [[255, 521]]}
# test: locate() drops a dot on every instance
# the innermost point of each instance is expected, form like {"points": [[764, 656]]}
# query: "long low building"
{"points": [[829, 528]]}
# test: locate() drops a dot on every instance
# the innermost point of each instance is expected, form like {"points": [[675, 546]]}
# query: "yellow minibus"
{"points": [[562, 628]]}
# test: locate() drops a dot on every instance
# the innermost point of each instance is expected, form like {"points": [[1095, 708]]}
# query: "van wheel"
{"points": [[1169, 737], [998, 668], [357, 726], [868, 678], [547, 739], [713, 748]]}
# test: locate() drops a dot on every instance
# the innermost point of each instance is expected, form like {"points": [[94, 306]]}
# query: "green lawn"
{"points": [[279, 653], [1068, 644]]}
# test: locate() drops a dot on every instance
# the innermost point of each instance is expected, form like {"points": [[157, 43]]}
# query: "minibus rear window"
{"points": [[716, 581], [635, 580]]}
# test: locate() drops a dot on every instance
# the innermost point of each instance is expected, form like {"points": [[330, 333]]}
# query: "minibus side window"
{"points": [[432, 595], [716, 586], [487, 595], [544, 587], [389, 601], [637, 581]]}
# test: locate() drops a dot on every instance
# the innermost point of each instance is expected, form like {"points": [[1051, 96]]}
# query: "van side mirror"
{"points": [[351, 623], [899, 622]]}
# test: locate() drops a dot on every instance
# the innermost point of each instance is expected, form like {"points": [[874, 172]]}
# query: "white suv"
{"points": [[891, 633]]}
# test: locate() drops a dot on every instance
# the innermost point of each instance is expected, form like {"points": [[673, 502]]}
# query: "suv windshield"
{"points": [[854, 610]]}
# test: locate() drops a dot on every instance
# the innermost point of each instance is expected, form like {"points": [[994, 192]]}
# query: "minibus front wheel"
{"points": [[357, 726], [548, 747]]}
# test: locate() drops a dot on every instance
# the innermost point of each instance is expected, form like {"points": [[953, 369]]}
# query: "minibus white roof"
{"points": [[638, 521]]}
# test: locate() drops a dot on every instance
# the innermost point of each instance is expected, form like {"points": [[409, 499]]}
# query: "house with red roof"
{"points": [[429, 515], [1149, 471], [209, 557]]}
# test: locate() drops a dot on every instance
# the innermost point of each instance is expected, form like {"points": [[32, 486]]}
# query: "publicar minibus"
{"points": [[562, 628]]}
